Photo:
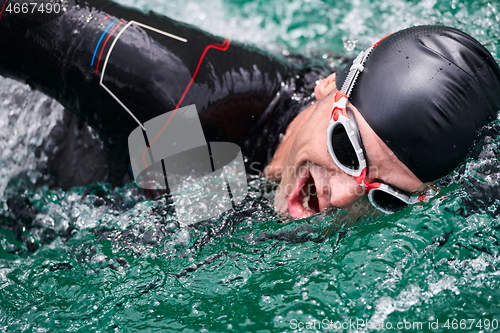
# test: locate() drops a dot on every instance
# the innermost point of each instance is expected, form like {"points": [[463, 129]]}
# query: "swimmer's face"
{"points": [[310, 180]]}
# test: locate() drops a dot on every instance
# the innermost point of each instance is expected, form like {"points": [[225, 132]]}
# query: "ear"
{"points": [[325, 87]]}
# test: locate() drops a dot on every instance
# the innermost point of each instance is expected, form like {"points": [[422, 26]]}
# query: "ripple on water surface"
{"points": [[96, 258]]}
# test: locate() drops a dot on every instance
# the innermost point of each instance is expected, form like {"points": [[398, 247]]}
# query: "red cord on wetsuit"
{"points": [[218, 46]]}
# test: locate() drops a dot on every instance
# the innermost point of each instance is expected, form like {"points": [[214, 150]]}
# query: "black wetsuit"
{"points": [[242, 94]]}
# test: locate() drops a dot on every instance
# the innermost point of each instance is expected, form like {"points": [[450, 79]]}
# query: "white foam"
{"points": [[27, 118]]}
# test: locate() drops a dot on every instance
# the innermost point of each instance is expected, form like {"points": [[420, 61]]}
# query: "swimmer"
{"points": [[419, 97], [402, 115]]}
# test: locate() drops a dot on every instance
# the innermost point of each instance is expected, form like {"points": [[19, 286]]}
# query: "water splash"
{"points": [[350, 45], [27, 118], [110, 260]]}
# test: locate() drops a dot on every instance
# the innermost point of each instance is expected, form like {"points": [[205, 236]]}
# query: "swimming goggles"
{"points": [[345, 147]]}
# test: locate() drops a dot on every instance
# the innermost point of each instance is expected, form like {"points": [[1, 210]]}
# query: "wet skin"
{"points": [[310, 181]]}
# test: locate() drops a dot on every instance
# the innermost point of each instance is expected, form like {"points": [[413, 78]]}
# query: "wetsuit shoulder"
{"points": [[100, 59]]}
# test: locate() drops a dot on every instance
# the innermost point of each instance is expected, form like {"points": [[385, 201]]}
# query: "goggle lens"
{"points": [[343, 148], [386, 201]]}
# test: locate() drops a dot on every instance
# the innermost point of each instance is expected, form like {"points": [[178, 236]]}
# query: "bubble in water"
{"points": [[349, 44]]}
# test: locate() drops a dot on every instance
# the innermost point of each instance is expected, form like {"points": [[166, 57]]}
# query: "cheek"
{"points": [[318, 148]]}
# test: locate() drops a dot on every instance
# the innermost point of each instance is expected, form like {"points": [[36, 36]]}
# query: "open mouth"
{"points": [[303, 201]]}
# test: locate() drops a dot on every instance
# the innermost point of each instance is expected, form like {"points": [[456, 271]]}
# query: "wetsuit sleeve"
{"points": [[99, 58]]}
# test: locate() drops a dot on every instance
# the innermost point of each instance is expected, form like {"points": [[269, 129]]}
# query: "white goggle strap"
{"points": [[356, 68]]}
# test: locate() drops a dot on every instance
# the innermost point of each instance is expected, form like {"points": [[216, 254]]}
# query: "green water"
{"points": [[101, 259]]}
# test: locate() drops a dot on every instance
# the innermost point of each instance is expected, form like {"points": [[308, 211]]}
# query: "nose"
{"points": [[345, 190]]}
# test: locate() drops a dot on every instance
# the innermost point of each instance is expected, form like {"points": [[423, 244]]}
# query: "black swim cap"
{"points": [[426, 91]]}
